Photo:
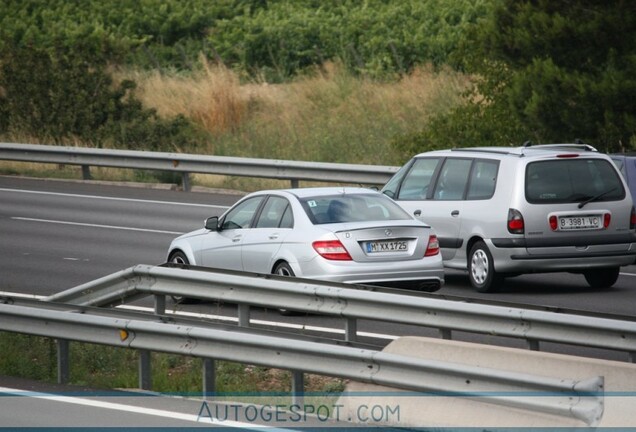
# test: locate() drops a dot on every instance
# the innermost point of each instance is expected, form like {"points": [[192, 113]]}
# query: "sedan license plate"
{"points": [[589, 222], [386, 246]]}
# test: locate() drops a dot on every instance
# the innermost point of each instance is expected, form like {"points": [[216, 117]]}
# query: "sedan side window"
{"points": [[273, 212], [241, 216]]}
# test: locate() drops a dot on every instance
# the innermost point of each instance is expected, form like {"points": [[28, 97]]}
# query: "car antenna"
{"points": [[526, 144]]}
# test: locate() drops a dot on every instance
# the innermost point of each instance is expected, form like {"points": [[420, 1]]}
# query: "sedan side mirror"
{"points": [[212, 223]]}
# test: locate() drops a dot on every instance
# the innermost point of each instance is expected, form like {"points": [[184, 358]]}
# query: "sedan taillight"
{"points": [[433, 246], [332, 250], [632, 219]]}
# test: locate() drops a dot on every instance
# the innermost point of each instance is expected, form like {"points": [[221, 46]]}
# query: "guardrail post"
{"points": [[63, 353], [243, 315], [86, 172], [298, 388], [185, 181], [295, 183], [351, 329], [446, 334], [533, 344], [209, 377], [160, 304], [145, 371]]}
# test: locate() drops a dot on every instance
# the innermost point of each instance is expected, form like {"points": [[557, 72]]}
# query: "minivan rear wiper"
{"points": [[596, 197]]}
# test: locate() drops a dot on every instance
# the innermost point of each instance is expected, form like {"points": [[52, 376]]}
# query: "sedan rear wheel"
{"points": [[481, 270], [284, 269], [603, 277]]}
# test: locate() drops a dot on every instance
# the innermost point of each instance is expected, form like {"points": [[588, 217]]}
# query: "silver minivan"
{"points": [[505, 211]]}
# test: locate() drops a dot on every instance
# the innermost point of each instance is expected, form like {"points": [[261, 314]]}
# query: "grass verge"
{"points": [[104, 367]]}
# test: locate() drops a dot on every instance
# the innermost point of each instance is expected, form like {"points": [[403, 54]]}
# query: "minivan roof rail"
{"points": [[483, 150], [578, 146]]}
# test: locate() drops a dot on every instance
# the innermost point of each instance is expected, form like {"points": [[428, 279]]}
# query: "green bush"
{"points": [[59, 95], [276, 39], [374, 37]]}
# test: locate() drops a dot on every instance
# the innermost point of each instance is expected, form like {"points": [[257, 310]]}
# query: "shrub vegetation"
{"points": [[546, 71]]}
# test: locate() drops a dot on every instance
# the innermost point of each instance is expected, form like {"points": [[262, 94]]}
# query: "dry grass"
{"points": [[328, 115], [325, 116], [211, 97]]}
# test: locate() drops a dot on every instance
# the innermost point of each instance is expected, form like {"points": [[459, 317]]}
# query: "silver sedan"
{"points": [[350, 235]]}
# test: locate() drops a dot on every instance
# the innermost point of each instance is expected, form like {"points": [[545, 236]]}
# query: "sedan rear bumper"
{"points": [[390, 273]]}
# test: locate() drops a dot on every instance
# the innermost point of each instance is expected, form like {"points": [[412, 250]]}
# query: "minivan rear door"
{"points": [[575, 205]]}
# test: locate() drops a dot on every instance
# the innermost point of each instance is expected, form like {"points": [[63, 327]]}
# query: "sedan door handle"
{"points": [[455, 213], [236, 238], [273, 236]]}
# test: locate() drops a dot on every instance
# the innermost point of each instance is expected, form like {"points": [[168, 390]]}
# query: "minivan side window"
{"points": [[452, 179], [483, 178], [416, 182]]}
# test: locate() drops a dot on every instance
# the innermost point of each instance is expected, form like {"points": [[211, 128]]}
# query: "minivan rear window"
{"points": [[572, 180]]}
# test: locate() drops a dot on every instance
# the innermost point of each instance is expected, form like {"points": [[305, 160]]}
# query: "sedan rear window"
{"points": [[352, 208], [572, 180]]}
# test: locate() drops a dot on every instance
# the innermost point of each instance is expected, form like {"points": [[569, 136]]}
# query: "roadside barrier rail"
{"points": [[352, 303], [294, 171], [578, 399]]}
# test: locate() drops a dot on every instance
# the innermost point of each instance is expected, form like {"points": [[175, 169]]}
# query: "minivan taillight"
{"points": [[433, 246], [607, 219], [515, 222], [332, 250], [632, 219]]}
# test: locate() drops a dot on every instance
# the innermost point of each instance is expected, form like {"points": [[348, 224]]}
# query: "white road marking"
{"points": [[627, 274], [130, 408], [95, 225], [111, 198]]}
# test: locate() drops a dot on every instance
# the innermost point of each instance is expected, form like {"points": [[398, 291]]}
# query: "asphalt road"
{"points": [[55, 235]]}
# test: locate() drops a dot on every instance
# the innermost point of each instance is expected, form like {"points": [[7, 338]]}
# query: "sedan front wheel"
{"points": [[181, 259]]}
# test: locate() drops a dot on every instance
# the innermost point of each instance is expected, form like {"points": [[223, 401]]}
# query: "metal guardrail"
{"points": [[294, 171], [578, 399], [352, 304]]}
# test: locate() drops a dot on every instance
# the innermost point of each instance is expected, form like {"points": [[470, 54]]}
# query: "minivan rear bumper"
{"points": [[580, 240], [560, 257]]}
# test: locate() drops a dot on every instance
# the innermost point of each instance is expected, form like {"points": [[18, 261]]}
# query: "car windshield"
{"points": [[572, 181], [352, 208]]}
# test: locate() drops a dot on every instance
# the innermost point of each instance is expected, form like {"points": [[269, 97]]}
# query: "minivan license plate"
{"points": [[387, 246], [568, 223]]}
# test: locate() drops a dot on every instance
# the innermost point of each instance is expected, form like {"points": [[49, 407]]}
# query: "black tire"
{"points": [[603, 277], [284, 269], [181, 259], [481, 270]]}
